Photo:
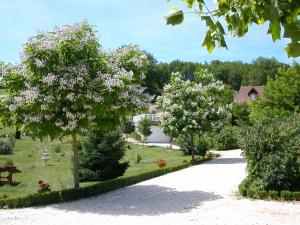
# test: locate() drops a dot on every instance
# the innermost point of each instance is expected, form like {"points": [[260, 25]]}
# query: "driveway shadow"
{"points": [[226, 161], [140, 200]]}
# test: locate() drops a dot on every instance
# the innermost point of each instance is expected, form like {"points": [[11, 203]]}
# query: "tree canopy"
{"points": [[236, 16], [66, 85], [281, 95], [193, 107]]}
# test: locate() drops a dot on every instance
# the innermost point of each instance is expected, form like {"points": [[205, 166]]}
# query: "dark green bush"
{"points": [[286, 195], [201, 145], [261, 194], [271, 148], [296, 195], [274, 194], [100, 154], [31, 200], [226, 139], [128, 127], [5, 147]]}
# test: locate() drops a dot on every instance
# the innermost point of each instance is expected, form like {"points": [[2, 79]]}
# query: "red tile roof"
{"points": [[243, 94]]}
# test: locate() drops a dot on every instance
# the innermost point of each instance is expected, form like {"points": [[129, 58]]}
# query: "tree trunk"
{"points": [[193, 148], [18, 134], [143, 139], [75, 161], [171, 143]]}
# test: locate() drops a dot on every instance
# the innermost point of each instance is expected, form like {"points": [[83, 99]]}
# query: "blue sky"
{"points": [[121, 22]]}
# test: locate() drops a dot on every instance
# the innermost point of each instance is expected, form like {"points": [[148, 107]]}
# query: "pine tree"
{"points": [[99, 156]]}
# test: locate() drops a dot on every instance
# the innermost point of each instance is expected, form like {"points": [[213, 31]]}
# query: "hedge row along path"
{"points": [[203, 194]]}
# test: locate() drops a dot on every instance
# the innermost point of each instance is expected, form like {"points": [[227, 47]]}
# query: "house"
{"points": [[157, 135], [248, 93]]}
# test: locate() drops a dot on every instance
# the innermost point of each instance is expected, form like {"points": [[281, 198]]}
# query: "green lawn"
{"points": [[2, 91], [27, 156]]}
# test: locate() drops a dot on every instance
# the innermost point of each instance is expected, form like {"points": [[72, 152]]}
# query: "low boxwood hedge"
{"points": [[84, 192], [272, 194]]}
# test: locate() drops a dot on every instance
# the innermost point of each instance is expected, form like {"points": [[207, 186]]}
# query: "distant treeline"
{"points": [[232, 73]]}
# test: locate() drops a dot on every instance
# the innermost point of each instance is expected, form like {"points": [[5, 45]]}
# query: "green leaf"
{"points": [[220, 27], [293, 49], [274, 30], [174, 17], [190, 3], [292, 30], [209, 22], [208, 42]]}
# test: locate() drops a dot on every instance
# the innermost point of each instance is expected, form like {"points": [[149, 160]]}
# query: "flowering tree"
{"points": [[193, 107], [66, 85]]}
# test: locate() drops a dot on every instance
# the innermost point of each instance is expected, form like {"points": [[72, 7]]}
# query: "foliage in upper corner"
{"points": [[240, 15]]}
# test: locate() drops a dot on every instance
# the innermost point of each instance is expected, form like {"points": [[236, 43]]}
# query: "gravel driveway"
{"points": [[202, 195]]}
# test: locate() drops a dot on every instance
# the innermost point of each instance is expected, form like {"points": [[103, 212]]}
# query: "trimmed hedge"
{"points": [[263, 194], [88, 191]]}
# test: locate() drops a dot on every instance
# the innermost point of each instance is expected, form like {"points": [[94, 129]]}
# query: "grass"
{"points": [[2, 91], [27, 157]]}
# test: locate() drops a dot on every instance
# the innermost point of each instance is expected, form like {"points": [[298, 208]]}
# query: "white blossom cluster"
{"points": [[69, 93], [190, 107]]}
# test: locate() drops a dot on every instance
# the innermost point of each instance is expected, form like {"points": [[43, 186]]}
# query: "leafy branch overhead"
{"points": [[282, 17]]}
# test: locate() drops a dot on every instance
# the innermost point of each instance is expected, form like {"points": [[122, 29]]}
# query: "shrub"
{"points": [[201, 145], [138, 158], [296, 195], [128, 127], [44, 186], [161, 163], [5, 148], [271, 148], [261, 194], [274, 194], [286, 195], [100, 154], [226, 139], [136, 136], [57, 149]]}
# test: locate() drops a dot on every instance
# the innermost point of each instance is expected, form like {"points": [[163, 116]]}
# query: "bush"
{"points": [[262, 194], [136, 136], [286, 195], [57, 149], [5, 148], [201, 145], [138, 158], [161, 163], [128, 127], [274, 194], [100, 154], [296, 195], [226, 139], [271, 148]]}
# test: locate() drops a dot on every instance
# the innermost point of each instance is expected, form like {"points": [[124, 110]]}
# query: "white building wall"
{"points": [[157, 136]]}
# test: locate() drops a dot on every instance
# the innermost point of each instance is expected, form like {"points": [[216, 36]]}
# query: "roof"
{"points": [[244, 93]]}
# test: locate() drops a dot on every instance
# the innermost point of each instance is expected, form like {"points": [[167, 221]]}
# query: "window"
{"points": [[252, 96]]}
